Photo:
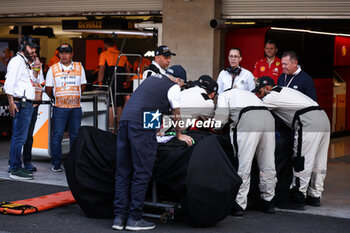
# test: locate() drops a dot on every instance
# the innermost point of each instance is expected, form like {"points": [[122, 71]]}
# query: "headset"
{"points": [[26, 40], [233, 71]]}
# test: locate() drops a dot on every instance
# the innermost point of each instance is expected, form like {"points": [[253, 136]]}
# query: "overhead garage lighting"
{"points": [[118, 32], [310, 31], [240, 23]]}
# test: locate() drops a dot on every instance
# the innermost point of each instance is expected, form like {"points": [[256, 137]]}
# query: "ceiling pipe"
{"points": [[157, 26]]}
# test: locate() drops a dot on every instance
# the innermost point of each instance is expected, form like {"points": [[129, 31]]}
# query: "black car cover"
{"points": [[90, 171], [212, 184], [170, 169]]}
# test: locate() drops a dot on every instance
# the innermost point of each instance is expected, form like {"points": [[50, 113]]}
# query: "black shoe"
{"points": [[267, 207], [291, 206], [237, 210], [20, 174], [27, 171], [313, 201], [237, 213], [119, 223], [139, 225], [297, 197], [29, 166], [56, 168]]}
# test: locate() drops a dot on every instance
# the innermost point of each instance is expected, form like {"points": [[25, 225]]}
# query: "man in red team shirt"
{"points": [[270, 65]]}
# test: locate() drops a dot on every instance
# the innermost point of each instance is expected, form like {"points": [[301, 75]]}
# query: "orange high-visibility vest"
{"points": [[67, 86]]}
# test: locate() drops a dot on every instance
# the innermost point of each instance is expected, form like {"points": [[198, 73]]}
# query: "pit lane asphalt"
{"points": [[71, 219]]}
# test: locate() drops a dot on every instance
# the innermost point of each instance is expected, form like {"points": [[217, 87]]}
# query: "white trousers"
{"points": [[314, 131], [256, 136]]}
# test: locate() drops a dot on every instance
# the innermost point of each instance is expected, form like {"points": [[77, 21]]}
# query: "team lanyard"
{"points": [[28, 68], [285, 79], [25, 60], [65, 74]]}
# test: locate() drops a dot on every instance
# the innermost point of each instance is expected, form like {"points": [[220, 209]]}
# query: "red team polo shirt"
{"points": [[261, 68]]}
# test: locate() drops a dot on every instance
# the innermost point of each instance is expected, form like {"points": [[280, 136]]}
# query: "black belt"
{"points": [[250, 108], [298, 160], [33, 101], [244, 110], [304, 110]]}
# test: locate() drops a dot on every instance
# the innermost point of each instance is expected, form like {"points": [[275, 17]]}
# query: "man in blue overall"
{"points": [[137, 144]]}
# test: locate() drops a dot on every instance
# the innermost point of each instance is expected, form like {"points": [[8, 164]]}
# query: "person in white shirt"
{"points": [[161, 62], [66, 81], [197, 102], [20, 91], [252, 135], [234, 76], [311, 140]]}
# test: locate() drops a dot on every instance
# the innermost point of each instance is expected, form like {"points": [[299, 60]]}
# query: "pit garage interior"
{"points": [[317, 30], [200, 32]]}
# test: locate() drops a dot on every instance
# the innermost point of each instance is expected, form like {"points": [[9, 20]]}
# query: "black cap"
{"points": [[206, 82], [164, 50], [28, 40], [177, 71], [263, 81], [65, 48]]}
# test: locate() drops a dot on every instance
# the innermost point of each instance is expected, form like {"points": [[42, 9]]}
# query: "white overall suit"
{"points": [[311, 139], [253, 133]]}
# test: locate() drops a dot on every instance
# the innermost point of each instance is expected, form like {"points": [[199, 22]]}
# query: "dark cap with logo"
{"points": [[65, 48], [164, 50], [177, 71], [263, 81], [206, 82], [28, 40]]}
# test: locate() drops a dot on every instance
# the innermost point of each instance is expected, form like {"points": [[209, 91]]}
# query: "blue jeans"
{"points": [[20, 126], [27, 148], [136, 154], [62, 117]]}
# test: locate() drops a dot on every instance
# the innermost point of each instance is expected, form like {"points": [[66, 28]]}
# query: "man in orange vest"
{"points": [[65, 81], [107, 62], [144, 64], [54, 59]]}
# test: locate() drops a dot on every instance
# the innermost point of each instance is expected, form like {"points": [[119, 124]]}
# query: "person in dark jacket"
{"points": [[137, 144], [294, 77]]}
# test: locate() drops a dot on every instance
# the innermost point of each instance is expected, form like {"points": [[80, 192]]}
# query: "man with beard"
{"points": [[38, 82], [311, 140], [234, 76], [270, 65], [21, 94]]}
